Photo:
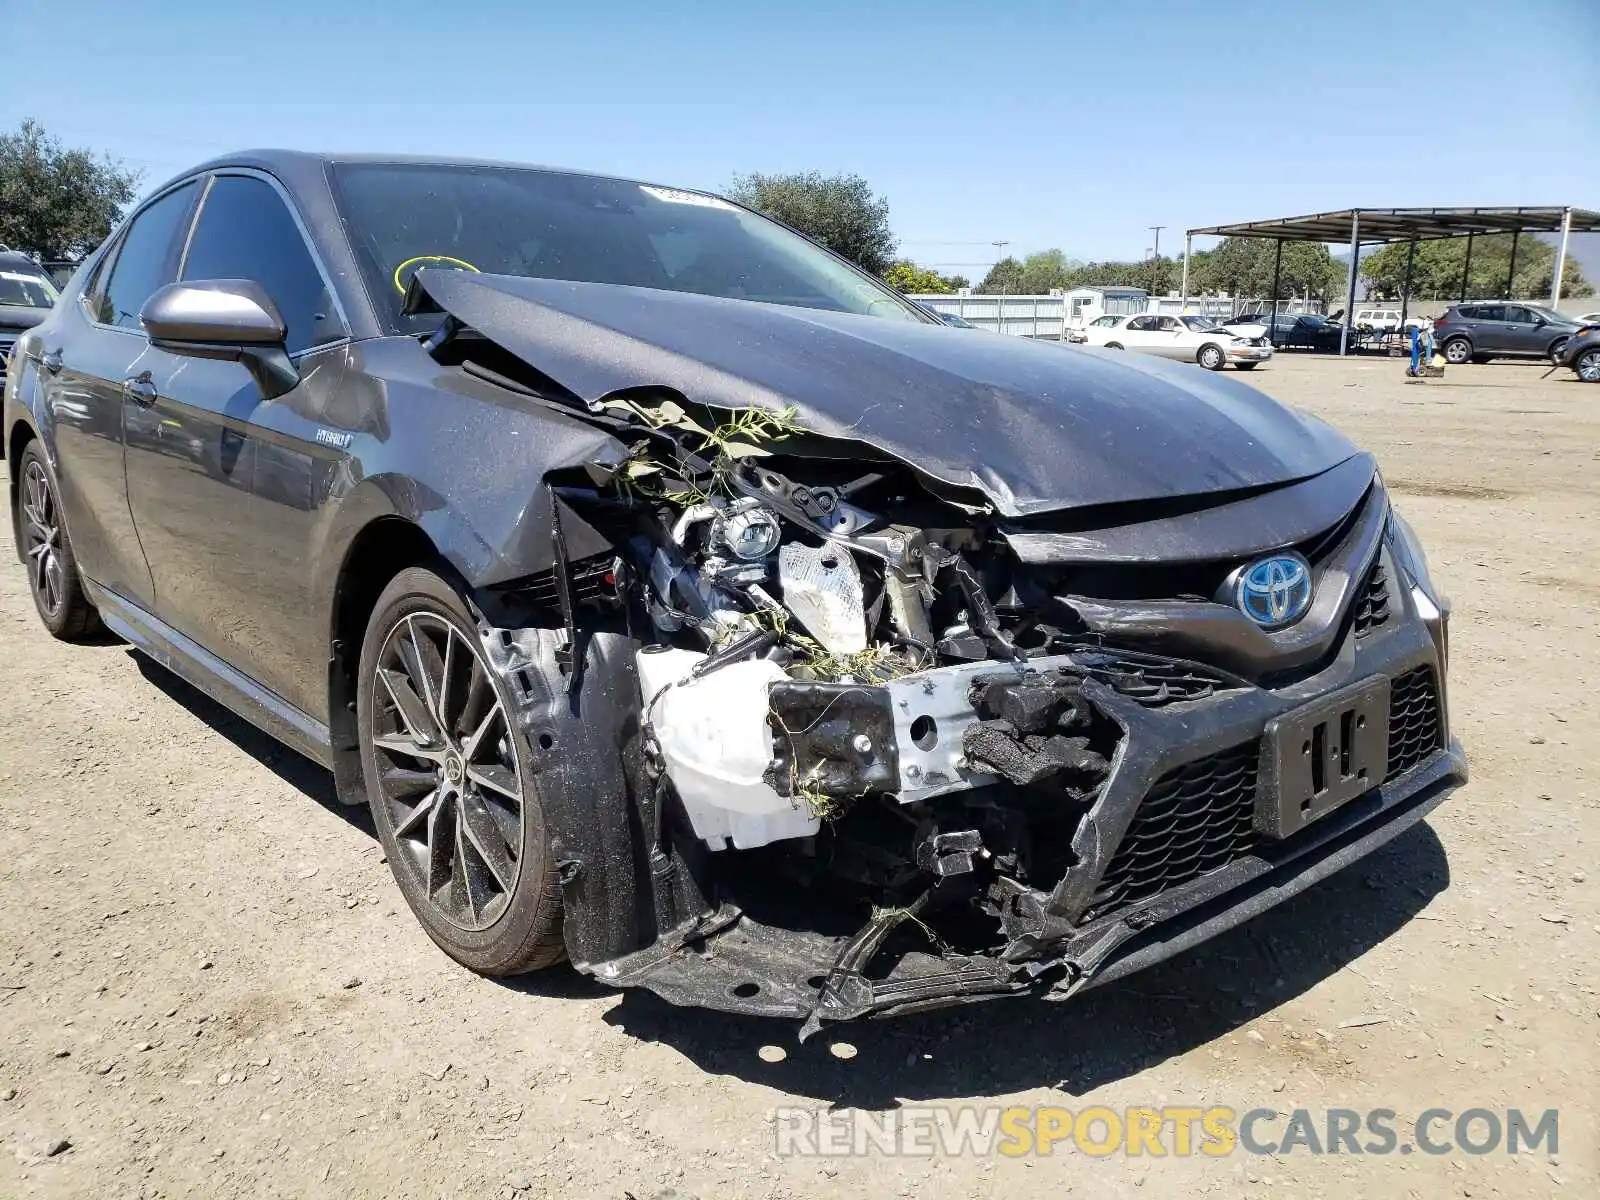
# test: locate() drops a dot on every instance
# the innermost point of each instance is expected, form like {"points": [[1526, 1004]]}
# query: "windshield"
{"points": [[553, 225], [22, 289], [1199, 324]]}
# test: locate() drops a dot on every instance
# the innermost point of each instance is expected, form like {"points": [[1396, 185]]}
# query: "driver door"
{"points": [[1171, 339], [225, 485]]}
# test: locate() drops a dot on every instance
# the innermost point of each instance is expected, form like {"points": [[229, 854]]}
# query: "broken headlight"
{"points": [[750, 533]]}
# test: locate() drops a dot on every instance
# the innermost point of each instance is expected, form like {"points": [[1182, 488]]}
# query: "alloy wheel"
{"points": [[1457, 352], [1589, 366], [43, 540], [447, 770], [1558, 351], [1210, 358]]}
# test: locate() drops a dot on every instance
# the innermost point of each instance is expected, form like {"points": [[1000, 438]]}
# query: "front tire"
{"points": [[1211, 357], [47, 550], [1458, 352], [1247, 366], [1558, 349], [1588, 365], [449, 784]]}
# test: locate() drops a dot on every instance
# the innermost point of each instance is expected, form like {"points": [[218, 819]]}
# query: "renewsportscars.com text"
{"points": [[1159, 1132]]}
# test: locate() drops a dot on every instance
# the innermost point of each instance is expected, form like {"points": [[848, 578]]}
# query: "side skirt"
{"points": [[266, 710]]}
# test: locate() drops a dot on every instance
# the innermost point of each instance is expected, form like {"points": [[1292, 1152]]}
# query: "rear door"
{"points": [[1139, 333], [1490, 332], [86, 358], [224, 485]]}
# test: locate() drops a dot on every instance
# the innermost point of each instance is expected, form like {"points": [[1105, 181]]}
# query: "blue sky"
{"points": [[1043, 124]]}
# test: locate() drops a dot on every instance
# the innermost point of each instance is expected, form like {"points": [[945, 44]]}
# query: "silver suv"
{"points": [[1485, 329]]}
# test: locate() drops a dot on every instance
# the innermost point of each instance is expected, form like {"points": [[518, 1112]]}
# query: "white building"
{"points": [[1044, 317]]}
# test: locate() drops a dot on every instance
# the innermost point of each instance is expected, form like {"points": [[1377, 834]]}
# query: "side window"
{"points": [[1515, 312], [144, 261], [1170, 325], [1142, 323], [1469, 312], [245, 232], [1105, 322], [1491, 312]]}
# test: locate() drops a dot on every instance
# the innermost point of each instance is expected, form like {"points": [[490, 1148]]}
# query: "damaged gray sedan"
{"points": [[686, 603]]}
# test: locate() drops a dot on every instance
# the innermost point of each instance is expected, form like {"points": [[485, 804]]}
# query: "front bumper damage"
{"points": [[824, 726], [1088, 928]]}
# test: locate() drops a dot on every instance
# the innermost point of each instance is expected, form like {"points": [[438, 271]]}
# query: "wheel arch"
{"points": [[379, 551], [18, 435]]}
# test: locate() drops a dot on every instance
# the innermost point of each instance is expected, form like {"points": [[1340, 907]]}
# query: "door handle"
{"points": [[51, 362], [140, 390]]}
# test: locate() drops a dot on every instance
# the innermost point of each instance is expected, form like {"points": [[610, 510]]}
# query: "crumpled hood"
{"points": [[1036, 427]]}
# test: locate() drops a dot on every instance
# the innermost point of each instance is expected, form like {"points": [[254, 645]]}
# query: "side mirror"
{"points": [[227, 319]]}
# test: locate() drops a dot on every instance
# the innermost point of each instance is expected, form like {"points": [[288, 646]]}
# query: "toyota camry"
{"points": [[687, 604]]}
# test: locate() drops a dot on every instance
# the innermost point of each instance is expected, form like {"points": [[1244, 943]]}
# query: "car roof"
{"points": [[295, 165]]}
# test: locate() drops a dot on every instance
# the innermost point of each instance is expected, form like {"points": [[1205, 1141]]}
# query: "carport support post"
{"points": [[1277, 276], [1405, 288], [1561, 257], [1188, 249], [1511, 271], [1466, 269], [1350, 297]]}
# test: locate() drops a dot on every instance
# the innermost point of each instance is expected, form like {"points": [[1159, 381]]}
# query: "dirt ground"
{"points": [[209, 985]]}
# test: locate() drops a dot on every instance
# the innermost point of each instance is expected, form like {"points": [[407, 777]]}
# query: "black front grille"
{"points": [[1414, 725], [1152, 682], [1197, 818], [1372, 600]]}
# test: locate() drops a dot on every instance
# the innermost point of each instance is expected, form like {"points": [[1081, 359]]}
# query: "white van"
{"points": [[1381, 320]]}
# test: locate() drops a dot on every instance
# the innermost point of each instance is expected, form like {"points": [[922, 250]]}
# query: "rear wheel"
{"points": [[1588, 365], [448, 782], [1211, 357], [52, 570], [1113, 345], [1458, 351]]}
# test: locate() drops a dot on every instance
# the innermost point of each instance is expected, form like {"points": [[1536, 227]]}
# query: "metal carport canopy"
{"points": [[1357, 225]]}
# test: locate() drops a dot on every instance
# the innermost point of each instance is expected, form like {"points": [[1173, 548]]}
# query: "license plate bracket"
{"points": [[1321, 756]]}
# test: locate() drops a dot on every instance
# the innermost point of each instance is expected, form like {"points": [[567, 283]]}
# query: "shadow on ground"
{"points": [[1007, 1046], [293, 768]]}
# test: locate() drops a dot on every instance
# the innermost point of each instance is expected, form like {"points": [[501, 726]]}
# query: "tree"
{"points": [[1243, 267], [840, 211], [1005, 277], [55, 202], [1436, 273], [905, 276], [1046, 270]]}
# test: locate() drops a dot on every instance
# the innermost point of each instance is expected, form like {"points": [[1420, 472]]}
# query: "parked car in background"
{"points": [[551, 512], [26, 297], [1485, 329], [1304, 331], [1378, 320], [1582, 353], [1188, 338], [1588, 319]]}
